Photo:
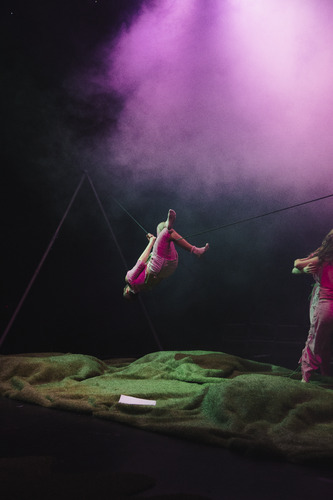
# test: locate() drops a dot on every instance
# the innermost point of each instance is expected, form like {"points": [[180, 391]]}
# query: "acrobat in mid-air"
{"points": [[159, 259]]}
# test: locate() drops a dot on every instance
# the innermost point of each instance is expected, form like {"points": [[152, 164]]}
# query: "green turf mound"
{"points": [[204, 396]]}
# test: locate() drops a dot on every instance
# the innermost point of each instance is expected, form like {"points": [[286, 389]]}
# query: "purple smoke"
{"points": [[221, 96]]}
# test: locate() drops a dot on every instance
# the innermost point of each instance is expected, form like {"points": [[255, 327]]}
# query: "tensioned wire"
{"points": [[130, 215], [241, 221]]}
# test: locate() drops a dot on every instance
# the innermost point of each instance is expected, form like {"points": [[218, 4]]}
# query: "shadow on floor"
{"points": [[54, 454]]}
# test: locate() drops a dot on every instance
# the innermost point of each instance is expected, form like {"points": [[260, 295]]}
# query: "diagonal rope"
{"points": [[241, 221], [130, 215], [17, 310], [143, 307], [107, 222], [224, 226]]}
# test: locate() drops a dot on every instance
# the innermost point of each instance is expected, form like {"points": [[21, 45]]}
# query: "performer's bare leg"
{"points": [[181, 242], [168, 223], [177, 238]]}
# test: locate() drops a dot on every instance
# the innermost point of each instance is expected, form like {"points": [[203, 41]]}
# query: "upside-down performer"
{"points": [[318, 347], [159, 259]]}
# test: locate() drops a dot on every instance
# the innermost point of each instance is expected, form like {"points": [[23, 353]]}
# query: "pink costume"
{"points": [[162, 263], [317, 351]]}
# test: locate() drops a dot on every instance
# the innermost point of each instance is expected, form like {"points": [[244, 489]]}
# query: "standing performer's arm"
{"points": [[307, 265]]}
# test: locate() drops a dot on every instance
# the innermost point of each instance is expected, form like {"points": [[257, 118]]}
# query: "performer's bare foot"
{"points": [[171, 219], [200, 251]]}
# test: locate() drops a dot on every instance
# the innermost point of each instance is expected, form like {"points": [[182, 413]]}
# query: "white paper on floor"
{"points": [[130, 400]]}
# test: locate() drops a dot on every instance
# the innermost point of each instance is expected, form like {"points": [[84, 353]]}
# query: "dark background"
{"points": [[241, 297]]}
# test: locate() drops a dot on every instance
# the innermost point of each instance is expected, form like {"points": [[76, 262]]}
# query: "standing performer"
{"points": [[318, 347], [159, 260]]}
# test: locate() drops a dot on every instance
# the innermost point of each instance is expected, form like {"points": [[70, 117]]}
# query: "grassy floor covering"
{"points": [[210, 397]]}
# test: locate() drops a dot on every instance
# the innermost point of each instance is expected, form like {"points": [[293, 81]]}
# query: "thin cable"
{"points": [[145, 312], [152, 328], [107, 221], [17, 310], [130, 215], [256, 217]]}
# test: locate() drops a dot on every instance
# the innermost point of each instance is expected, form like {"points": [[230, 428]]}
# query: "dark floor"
{"points": [[55, 454]]}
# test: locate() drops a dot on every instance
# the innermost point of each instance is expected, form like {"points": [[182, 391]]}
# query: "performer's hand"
{"points": [[311, 269], [150, 236]]}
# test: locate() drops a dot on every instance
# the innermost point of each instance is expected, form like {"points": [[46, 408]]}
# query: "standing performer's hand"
{"points": [[311, 269]]}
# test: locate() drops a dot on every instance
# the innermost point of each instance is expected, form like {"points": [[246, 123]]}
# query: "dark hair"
{"points": [[325, 251], [128, 294]]}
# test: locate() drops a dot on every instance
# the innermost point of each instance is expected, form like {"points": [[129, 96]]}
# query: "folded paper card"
{"points": [[130, 400]]}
